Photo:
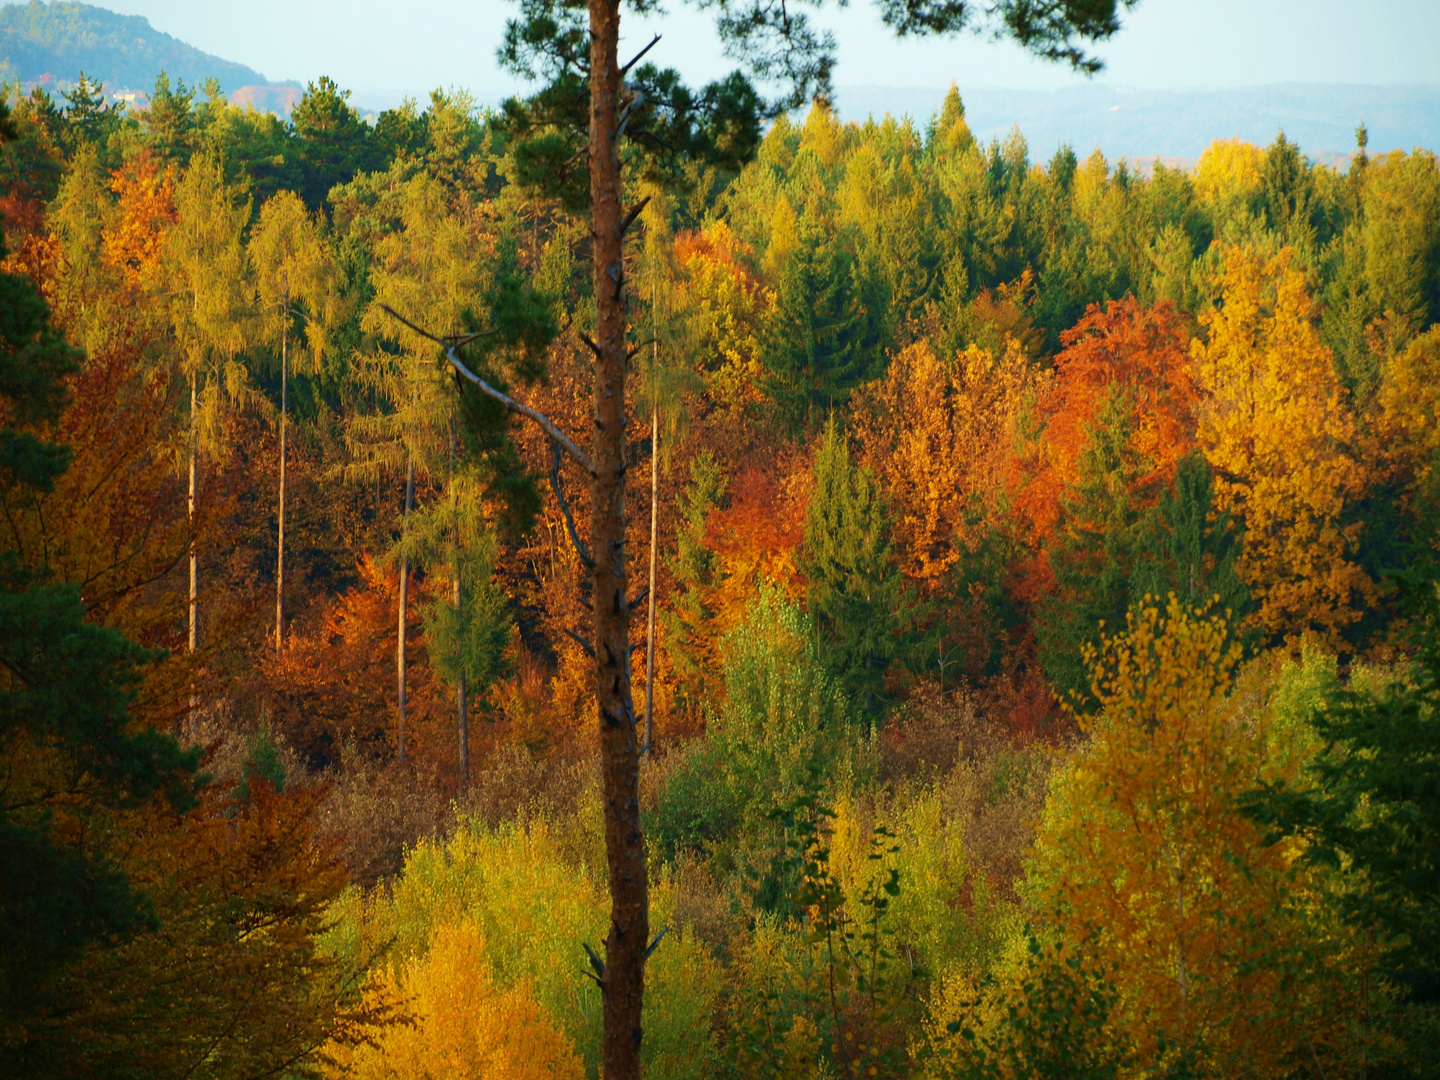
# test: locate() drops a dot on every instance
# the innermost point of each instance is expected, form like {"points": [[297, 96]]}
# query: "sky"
{"points": [[386, 49]]}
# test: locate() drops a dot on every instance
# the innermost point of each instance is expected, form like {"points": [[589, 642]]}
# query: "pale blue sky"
{"points": [[384, 48]]}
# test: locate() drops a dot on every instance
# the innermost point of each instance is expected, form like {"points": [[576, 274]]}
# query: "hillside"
{"points": [[43, 42]]}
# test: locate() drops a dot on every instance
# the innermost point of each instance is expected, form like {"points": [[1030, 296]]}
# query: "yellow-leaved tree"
{"points": [[457, 1022], [1216, 950], [1279, 433]]}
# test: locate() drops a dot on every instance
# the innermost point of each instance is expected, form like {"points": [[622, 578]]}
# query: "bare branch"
{"points": [[590, 343], [451, 344], [634, 213], [583, 642], [565, 509], [624, 70], [638, 599], [634, 350]]}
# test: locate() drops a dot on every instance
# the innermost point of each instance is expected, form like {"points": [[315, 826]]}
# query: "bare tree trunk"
{"points": [[649, 746], [461, 705], [194, 606], [404, 601], [280, 545], [623, 980]]}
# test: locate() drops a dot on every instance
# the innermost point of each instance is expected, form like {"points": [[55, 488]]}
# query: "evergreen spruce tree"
{"points": [[854, 591]]}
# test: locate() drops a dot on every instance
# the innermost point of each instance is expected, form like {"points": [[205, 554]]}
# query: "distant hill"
{"points": [[1321, 119], [54, 42]]}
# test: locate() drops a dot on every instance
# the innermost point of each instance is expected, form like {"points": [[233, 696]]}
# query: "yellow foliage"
{"points": [[725, 306], [1409, 398], [1230, 169], [1146, 863], [1278, 431], [459, 1024]]}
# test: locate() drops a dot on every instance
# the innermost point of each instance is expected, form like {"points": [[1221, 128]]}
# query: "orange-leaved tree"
{"points": [[1278, 429], [1124, 351]]}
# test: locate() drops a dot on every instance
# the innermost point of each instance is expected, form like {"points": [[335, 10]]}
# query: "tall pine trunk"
{"points": [[400, 673], [280, 543], [623, 981]]}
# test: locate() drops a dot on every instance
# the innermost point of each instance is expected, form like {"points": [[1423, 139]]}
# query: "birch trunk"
{"points": [[400, 673], [280, 544]]}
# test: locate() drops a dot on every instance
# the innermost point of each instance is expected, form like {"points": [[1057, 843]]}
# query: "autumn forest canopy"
{"points": [[1032, 601]]}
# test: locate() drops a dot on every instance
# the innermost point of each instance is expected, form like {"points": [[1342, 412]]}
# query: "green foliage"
{"points": [[854, 590], [781, 724], [826, 335], [262, 763], [334, 143], [1118, 550], [686, 620], [831, 993], [535, 906], [1371, 804], [1047, 1020]]}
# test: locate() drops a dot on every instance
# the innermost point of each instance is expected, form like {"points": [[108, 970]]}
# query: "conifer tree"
{"points": [[854, 591], [209, 304]]}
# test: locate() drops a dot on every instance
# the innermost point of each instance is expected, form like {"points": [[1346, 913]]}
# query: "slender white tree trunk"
{"points": [[194, 612], [280, 545], [404, 601], [463, 715], [650, 623]]}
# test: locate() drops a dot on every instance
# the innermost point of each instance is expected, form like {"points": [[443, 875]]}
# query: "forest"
{"points": [[1036, 638]]}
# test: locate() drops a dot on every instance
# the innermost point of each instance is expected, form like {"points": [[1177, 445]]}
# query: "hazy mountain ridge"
{"points": [[1320, 118], [54, 42]]}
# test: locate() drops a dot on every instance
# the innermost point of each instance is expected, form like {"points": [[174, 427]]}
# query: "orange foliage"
{"points": [[936, 433], [757, 539], [1139, 352], [460, 1024], [336, 685], [145, 212], [241, 890]]}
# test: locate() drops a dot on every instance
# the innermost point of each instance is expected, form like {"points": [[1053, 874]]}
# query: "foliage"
{"points": [[853, 588], [1368, 803], [1280, 435], [1147, 863]]}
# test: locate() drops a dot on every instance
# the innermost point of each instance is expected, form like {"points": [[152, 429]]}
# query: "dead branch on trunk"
{"points": [[450, 344]]}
